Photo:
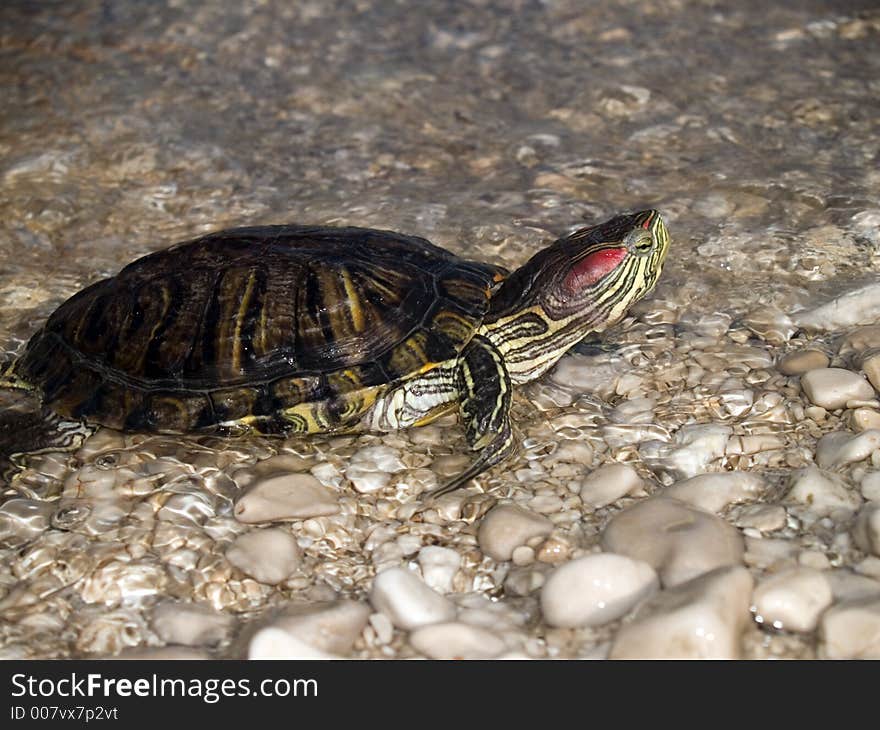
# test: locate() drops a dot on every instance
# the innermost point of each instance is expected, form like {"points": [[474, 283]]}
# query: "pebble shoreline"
{"points": [[727, 538]]}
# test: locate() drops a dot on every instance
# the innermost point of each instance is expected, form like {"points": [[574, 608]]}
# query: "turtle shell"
{"points": [[252, 321]]}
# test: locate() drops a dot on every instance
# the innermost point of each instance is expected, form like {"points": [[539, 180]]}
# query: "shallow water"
{"points": [[490, 130]]}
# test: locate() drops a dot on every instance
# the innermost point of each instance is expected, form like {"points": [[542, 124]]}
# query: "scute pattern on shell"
{"points": [[250, 321]]}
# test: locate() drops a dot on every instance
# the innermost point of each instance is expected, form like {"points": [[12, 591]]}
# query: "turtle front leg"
{"points": [[485, 391]]}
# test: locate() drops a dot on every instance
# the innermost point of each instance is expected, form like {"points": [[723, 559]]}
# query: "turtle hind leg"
{"points": [[485, 394], [27, 429]]}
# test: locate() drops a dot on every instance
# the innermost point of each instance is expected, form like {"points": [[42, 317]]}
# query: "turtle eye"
{"points": [[640, 240]]}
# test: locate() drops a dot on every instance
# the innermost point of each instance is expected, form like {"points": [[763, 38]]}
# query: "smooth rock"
{"points": [[714, 491], [694, 448], [701, 619], [190, 624], [330, 626], [871, 366], [456, 640], [821, 492], [408, 601], [792, 600], [860, 340], [838, 448], [867, 528], [371, 468], [802, 361], [865, 419], [763, 517], [870, 486], [859, 306], [439, 566], [678, 541], [851, 629], [595, 589], [275, 643], [285, 497], [161, 653], [609, 483], [269, 556], [506, 527], [833, 388]]}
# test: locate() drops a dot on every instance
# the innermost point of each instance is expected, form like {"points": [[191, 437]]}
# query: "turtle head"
{"points": [[600, 271], [579, 284]]}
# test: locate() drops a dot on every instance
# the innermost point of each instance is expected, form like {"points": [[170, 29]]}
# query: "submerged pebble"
{"points": [[285, 497], [269, 555]]}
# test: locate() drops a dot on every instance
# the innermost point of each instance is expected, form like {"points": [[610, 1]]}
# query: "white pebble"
{"points": [[822, 493], [609, 483], [860, 306], [851, 630], [694, 448], [833, 388], [371, 468], [870, 486], [506, 527], [792, 600], [275, 643], [455, 640], [190, 624], [838, 449], [678, 541], [763, 517], [713, 492], [595, 589], [327, 626], [701, 619], [268, 556], [867, 528], [439, 566], [285, 497], [408, 601]]}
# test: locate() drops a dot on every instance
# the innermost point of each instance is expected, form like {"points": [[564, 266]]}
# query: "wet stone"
{"points": [[595, 589], [678, 541], [190, 624], [713, 492], [285, 497], [867, 528], [268, 555], [609, 483], [700, 619], [833, 388], [508, 526], [439, 566], [821, 492], [455, 640], [402, 596], [802, 361], [851, 629], [330, 626], [792, 600]]}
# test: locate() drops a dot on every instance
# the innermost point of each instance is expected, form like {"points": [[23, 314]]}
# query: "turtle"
{"points": [[297, 329]]}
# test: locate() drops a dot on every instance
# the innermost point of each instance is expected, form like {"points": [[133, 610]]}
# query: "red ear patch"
{"points": [[590, 269]]}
